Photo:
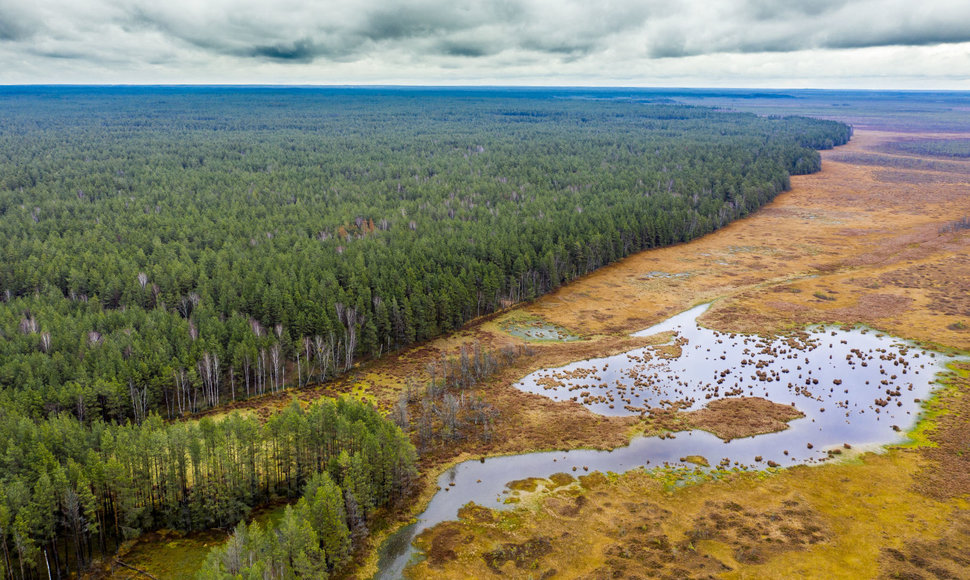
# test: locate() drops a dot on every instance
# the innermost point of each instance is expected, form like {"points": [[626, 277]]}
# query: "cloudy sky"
{"points": [[919, 44]]}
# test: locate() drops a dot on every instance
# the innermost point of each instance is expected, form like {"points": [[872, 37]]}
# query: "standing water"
{"points": [[856, 387]]}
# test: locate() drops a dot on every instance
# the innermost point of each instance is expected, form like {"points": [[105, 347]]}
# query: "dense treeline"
{"points": [[169, 249], [69, 491]]}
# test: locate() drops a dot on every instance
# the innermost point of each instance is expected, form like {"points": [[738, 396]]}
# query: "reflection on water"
{"points": [[854, 386], [848, 382]]}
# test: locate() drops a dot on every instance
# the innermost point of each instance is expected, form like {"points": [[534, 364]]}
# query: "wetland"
{"points": [[872, 385]]}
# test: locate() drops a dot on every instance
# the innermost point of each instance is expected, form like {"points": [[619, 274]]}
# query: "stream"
{"points": [[855, 386]]}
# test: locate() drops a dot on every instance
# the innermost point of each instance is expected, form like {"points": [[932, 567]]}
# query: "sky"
{"points": [[874, 44]]}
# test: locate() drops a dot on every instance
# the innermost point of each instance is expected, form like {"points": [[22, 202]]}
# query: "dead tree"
{"points": [[28, 324], [45, 342], [352, 321], [185, 398], [209, 373], [139, 400], [276, 368]]}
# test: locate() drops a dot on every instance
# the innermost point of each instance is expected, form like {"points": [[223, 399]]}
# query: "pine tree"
{"points": [[328, 517]]}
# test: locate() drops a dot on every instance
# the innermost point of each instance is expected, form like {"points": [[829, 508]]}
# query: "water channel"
{"points": [[855, 386]]}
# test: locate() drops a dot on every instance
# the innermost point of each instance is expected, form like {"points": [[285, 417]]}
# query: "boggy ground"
{"points": [[902, 514], [863, 241]]}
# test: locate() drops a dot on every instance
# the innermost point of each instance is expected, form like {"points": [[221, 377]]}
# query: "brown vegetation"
{"points": [[947, 474], [743, 417]]}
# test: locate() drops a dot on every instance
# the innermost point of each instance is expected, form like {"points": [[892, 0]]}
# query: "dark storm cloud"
{"points": [[571, 28], [942, 33], [8, 31], [313, 31], [562, 46], [397, 22], [466, 49], [300, 51]]}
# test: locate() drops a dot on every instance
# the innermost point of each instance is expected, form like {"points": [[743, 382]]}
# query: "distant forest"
{"points": [[167, 250]]}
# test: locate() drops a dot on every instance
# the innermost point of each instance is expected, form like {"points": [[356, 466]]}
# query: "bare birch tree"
{"points": [[352, 321]]}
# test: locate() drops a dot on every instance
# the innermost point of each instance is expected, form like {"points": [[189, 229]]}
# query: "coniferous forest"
{"points": [[169, 250]]}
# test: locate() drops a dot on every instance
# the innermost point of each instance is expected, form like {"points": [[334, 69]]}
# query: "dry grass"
{"points": [[743, 417]]}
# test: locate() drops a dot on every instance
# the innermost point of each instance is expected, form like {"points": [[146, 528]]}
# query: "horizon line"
{"points": [[468, 86]]}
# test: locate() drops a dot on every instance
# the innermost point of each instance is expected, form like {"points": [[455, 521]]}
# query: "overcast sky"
{"points": [[920, 44]]}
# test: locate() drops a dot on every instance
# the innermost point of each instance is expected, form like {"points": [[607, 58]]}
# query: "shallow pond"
{"points": [[538, 330], [854, 386]]}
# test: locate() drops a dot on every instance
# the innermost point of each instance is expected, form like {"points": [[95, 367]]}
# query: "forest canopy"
{"points": [[169, 249], [166, 250]]}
